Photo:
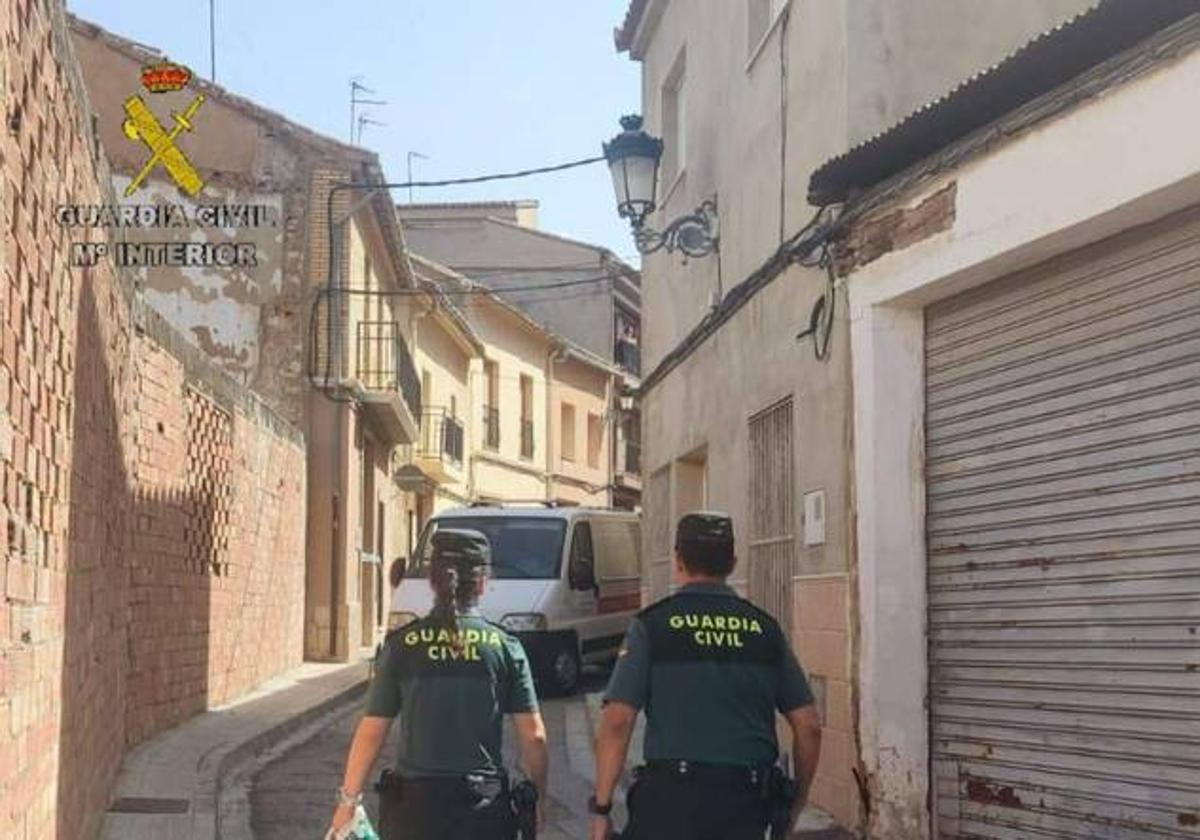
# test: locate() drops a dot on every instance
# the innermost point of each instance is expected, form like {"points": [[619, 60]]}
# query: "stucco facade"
{"points": [[747, 418], [517, 379], [593, 299]]}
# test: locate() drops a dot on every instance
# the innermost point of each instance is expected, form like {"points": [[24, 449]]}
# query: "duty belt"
{"points": [[751, 776]]}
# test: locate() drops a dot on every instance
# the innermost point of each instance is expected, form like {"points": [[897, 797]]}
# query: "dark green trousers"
{"points": [[662, 807], [438, 809]]}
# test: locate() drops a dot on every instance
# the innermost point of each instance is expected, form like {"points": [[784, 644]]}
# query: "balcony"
{"points": [[628, 473], [633, 457], [386, 381], [526, 439], [491, 428], [437, 455], [628, 357]]}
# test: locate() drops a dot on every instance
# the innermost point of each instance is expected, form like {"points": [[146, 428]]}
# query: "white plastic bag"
{"points": [[359, 828]]}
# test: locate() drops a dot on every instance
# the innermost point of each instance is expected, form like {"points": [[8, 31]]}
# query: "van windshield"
{"points": [[523, 548]]}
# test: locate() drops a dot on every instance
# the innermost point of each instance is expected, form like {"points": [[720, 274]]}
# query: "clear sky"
{"points": [[479, 86]]}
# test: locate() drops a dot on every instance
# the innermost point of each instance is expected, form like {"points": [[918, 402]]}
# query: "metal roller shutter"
{"points": [[1063, 523]]}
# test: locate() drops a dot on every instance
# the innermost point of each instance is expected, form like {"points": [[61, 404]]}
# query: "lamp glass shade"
{"points": [[633, 157], [634, 184]]}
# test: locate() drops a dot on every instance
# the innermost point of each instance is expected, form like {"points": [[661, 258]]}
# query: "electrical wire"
{"points": [[332, 241], [484, 291]]}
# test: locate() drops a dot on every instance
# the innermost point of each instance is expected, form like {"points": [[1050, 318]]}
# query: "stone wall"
{"points": [[151, 508]]}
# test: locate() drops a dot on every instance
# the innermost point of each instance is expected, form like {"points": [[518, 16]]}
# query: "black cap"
{"points": [[707, 527], [461, 547]]}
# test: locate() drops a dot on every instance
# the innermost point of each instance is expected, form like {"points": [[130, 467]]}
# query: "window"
{"points": [[582, 571], [526, 416], [567, 432], [772, 525], [595, 440], [491, 406], [674, 119], [760, 17]]}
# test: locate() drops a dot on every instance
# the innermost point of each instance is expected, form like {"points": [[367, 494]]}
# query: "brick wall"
{"points": [[217, 583], [134, 591]]}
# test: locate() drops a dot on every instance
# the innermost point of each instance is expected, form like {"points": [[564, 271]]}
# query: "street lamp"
{"points": [[633, 157]]}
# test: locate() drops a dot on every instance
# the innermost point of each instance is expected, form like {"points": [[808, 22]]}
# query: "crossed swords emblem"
{"points": [[141, 124]]}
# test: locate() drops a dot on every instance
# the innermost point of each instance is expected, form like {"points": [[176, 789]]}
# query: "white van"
{"points": [[565, 580]]}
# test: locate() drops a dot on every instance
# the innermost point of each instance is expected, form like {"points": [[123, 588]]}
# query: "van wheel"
{"points": [[563, 669]]}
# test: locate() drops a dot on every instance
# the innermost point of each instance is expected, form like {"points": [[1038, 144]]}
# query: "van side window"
{"points": [[581, 570], [581, 543]]}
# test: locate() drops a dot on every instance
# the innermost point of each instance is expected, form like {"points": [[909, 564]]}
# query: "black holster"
{"points": [[524, 798], [390, 785], [781, 794]]}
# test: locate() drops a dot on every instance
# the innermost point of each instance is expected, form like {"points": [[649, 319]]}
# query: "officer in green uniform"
{"points": [[710, 670], [453, 676]]}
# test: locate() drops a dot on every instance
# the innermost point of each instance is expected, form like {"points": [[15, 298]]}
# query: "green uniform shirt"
{"points": [[710, 670], [454, 692]]}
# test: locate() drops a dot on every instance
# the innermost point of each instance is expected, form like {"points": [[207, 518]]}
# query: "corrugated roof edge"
{"points": [[1043, 64]]}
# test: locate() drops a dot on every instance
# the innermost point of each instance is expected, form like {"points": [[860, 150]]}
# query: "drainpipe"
{"points": [[556, 353], [336, 555], [610, 412]]}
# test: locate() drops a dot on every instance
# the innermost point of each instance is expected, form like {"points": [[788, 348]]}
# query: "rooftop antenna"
{"points": [[412, 155], [357, 87], [365, 120]]}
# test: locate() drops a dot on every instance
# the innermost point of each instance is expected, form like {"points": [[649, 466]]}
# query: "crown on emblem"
{"points": [[165, 76]]}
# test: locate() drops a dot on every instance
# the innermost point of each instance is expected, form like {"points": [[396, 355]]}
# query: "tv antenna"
{"points": [[357, 87], [363, 121]]}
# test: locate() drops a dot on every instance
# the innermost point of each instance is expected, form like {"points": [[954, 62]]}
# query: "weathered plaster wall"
{"points": [[448, 365], [903, 55], [517, 350], [585, 388], [705, 407], [252, 320]]}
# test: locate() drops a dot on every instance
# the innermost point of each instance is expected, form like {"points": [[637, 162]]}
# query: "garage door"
{"points": [[1063, 480]]}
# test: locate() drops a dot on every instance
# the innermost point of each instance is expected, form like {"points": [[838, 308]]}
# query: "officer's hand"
{"points": [[342, 817], [601, 828]]}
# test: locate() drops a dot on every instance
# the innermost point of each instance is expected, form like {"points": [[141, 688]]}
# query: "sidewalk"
{"points": [[170, 786]]}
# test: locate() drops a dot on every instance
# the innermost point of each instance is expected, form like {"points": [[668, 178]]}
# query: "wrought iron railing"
{"points": [[628, 357], [491, 427], [633, 457], [526, 438], [441, 436], [383, 362]]}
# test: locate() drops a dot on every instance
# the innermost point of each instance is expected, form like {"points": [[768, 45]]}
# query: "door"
{"points": [[1063, 530]]}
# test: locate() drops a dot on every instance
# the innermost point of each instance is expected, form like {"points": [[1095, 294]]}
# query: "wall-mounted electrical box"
{"points": [[814, 518]]}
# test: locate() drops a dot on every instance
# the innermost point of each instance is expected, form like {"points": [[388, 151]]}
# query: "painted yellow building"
{"points": [[435, 468], [512, 411]]}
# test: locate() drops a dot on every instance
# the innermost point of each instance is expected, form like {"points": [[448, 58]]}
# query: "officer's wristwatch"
{"points": [[596, 808]]}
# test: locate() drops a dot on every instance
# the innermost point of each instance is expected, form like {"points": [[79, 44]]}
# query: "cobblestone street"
{"points": [[292, 796]]}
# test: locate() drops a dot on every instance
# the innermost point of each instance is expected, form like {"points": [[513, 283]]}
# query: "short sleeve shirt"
{"points": [[710, 670], [452, 689]]}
